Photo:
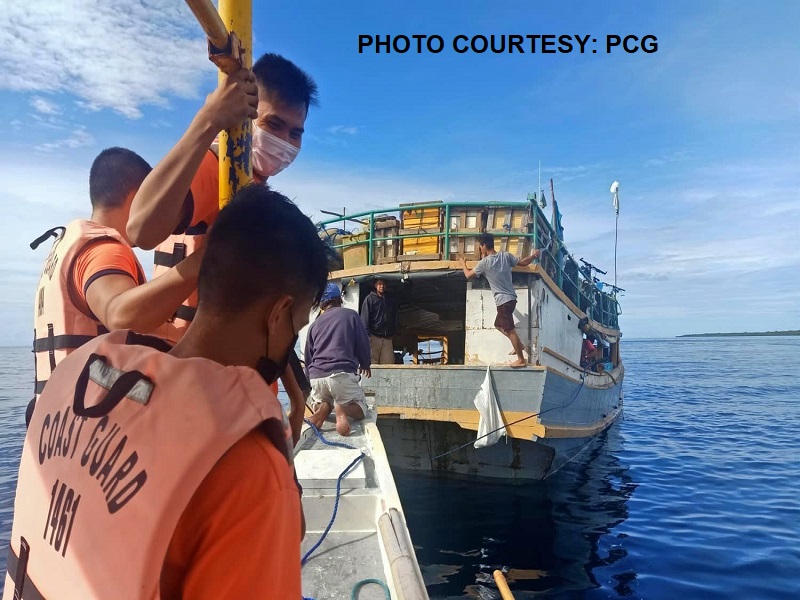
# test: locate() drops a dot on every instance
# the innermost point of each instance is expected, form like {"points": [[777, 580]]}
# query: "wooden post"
{"points": [[235, 169], [209, 20], [502, 586]]}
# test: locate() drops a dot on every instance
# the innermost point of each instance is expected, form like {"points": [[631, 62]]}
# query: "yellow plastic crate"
{"points": [[421, 220]]}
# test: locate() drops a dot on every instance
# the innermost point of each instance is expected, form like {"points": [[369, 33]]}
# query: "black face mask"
{"points": [[270, 370]]}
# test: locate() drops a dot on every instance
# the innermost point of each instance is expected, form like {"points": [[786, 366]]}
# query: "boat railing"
{"points": [[538, 233]]}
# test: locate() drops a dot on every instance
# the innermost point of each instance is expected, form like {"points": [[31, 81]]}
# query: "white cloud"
{"points": [[113, 54], [77, 139], [44, 106], [677, 156], [316, 187], [347, 130], [565, 174]]}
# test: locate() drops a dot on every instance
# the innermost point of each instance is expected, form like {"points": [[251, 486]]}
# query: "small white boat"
{"points": [[366, 546]]}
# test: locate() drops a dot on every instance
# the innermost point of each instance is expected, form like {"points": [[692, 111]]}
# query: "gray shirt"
{"points": [[497, 270]]}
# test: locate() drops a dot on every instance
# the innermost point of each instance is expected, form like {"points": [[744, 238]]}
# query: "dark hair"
{"points": [[332, 302], [486, 239], [261, 245], [115, 173], [288, 82]]}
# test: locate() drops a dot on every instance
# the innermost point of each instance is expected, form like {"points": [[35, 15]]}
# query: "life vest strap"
{"points": [[151, 341], [119, 384], [186, 313], [166, 259], [24, 588], [200, 229], [51, 346], [54, 232], [60, 342], [170, 259]]}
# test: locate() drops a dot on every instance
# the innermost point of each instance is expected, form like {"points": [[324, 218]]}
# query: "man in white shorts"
{"points": [[337, 354]]}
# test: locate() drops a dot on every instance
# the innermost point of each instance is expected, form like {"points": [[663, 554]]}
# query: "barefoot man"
{"points": [[337, 350], [496, 267]]}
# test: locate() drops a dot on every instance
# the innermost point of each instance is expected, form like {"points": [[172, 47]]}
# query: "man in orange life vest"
{"points": [[92, 281], [168, 474], [276, 94]]}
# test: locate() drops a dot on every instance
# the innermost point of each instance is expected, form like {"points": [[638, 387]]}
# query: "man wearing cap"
{"points": [[337, 351]]}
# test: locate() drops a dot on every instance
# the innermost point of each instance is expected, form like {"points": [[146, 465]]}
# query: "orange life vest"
{"points": [[59, 326], [119, 443], [205, 193]]}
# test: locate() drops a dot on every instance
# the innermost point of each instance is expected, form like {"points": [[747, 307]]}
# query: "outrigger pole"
{"points": [[230, 39]]}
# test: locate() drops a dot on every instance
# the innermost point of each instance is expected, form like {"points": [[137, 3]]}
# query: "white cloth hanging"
{"points": [[491, 418]]}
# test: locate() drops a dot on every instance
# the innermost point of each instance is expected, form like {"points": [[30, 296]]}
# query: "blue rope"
{"points": [[347, 469], [328, 442]]}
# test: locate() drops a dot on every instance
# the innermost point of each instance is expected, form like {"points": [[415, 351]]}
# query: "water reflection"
{"points": [[552, 538]]}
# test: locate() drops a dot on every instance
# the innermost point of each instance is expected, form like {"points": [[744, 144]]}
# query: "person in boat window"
{"points": [[337, 350], [100, 285], [380, 316], [496, 267], [589, 352], [179, 200], [198, 467]]}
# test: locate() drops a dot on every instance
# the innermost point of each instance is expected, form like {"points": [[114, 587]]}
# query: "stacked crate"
{"points": [[385, 250], [501, 220], [466, 220], [417, 221]]}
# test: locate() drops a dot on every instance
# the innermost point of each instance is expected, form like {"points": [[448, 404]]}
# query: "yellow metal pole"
{"points": [[234, 144], [502, 586]]}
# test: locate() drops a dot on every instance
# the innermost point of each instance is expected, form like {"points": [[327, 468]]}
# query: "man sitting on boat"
{"points": [[496, 267], [380, 316], [337, 350], [172, 475]]}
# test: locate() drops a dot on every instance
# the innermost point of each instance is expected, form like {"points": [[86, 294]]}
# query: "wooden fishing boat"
{"points": [[552, 407]]}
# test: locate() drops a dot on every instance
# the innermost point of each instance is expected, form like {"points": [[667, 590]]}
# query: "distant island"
{"points": [[745, 334]]}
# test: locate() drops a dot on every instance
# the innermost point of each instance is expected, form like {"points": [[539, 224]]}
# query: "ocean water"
{"points": [[695, 493]]}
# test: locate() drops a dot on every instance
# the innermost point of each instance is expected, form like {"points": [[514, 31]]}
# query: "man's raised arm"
{"points": [[160, 204], [524, 262]]}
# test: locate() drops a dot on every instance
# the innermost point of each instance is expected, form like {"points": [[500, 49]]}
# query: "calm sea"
{"points": [[694, 494]]}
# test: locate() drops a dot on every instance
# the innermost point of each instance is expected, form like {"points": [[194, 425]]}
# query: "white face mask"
{"points": [[271, 155]]}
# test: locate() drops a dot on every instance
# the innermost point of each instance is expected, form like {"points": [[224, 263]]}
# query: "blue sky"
{"points": [[702, 134]]}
